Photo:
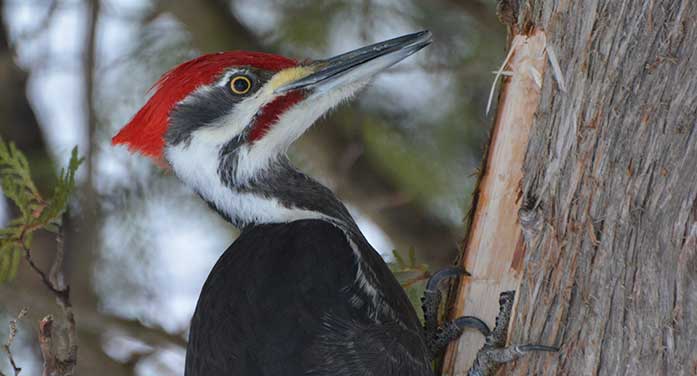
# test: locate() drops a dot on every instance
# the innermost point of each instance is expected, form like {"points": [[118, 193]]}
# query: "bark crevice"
{"points": [[615, 162]]}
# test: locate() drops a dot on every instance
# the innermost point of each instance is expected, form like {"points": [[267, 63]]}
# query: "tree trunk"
{"points": [[18, 122], [609, 186]]}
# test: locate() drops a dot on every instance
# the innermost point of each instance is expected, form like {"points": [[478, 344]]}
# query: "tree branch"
{"points": [[61, 293], [10, 339], [93, 322], [18, 123], [58, 342]]}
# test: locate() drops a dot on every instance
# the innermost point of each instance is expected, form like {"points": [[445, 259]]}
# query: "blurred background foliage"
{"points": [[139, 244]]}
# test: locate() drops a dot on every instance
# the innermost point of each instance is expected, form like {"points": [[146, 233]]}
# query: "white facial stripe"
{"points": [[196, 162], [223, 81], [197, 165], [243, 115], [289, 127], [232, 124]]}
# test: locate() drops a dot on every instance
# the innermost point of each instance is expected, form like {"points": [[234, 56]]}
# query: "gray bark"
{"points": [[611, 275]]}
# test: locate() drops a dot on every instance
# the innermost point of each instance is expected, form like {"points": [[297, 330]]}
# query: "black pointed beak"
{"points": [[359, 65]]}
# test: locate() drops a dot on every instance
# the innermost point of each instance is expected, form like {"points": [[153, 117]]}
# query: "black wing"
{"points": [[285, 299]]}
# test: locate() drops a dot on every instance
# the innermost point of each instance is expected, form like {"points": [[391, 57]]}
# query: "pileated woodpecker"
{"points": [[301, 291]]}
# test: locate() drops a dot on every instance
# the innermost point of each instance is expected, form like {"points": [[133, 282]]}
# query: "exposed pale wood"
{"points": [[610, 272], [494, 247]]}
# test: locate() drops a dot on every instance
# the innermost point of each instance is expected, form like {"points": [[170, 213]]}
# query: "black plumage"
{"points": [[301, 291], [299, 298]]}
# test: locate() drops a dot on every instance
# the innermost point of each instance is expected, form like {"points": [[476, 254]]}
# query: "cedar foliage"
{"points": [[411, 275], [35, 211]]}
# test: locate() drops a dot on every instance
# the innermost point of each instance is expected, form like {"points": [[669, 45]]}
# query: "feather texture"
{"points": [[145, 132], [288, 299]]}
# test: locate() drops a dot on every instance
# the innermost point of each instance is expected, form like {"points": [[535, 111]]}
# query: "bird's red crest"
{"points": [[146, 130]]}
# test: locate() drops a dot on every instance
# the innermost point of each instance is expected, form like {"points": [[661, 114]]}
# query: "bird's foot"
{"points": [[494, 353], [437, 337]]}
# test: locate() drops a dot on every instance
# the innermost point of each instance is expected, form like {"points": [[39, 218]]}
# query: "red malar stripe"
{"points": [[145, 132], [270, 113]]}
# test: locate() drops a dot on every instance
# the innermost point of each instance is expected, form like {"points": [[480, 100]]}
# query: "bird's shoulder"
{"points": [[290, 298], [298, 251]]}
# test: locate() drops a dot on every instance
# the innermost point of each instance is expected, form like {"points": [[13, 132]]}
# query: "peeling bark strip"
{"points": [[612, 273], [494, 248]]}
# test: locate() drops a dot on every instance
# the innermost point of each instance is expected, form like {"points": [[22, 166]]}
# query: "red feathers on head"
{"points": [[145, 132]]}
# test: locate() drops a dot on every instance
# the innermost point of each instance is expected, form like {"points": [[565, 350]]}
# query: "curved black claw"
{"points": [[452, 330], [474, 323], [430, 302], [530, 348], [438, 337], [445, 273], [504, 355], [495, 353]]}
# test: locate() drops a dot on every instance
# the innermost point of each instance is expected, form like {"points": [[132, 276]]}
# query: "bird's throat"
{"points": [[278, 194]]}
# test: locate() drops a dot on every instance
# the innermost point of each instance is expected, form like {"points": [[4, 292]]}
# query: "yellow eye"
{"points": [[240, 85]]}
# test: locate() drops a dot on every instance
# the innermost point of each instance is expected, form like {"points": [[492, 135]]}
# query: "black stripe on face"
{"points": [[199, 110], [229, 158], [206, 106]]}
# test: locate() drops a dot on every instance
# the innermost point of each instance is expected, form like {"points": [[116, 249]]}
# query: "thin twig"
{"points": [[10, 339], [421, 277], [63, 294], [93, 322], [55, 275], [58, 360]]}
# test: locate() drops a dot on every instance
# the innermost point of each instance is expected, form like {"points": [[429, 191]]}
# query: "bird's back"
{"points": [[304, 298]]}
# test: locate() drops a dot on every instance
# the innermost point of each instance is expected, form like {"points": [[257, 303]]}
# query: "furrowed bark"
{"points": [[614, 166], [610, 272]]}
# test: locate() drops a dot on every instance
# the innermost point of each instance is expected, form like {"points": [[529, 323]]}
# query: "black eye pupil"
{"points": [[240, 84]]}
